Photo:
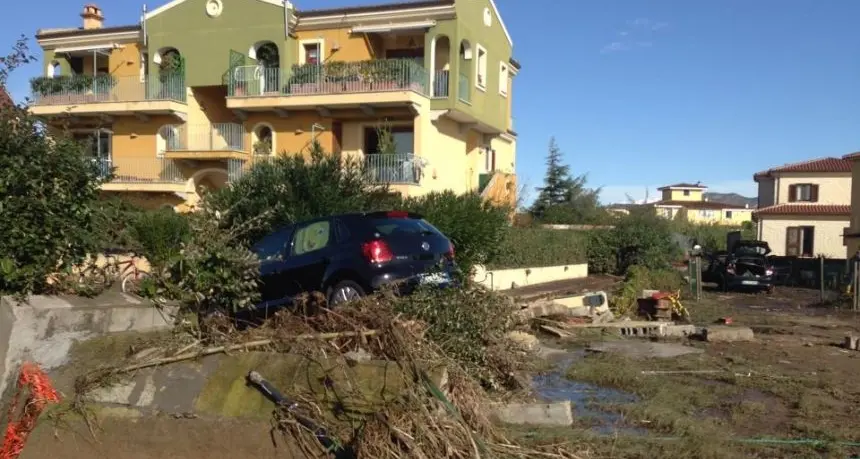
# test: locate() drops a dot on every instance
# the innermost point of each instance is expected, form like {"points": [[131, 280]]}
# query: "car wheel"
{"points": [[344, 292]]}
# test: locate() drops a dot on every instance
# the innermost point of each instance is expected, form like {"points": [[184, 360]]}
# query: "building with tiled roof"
{"points": [[804, 208], [688, 201]]}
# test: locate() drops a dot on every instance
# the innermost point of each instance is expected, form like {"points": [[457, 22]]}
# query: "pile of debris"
{"points": [[429, 417]]}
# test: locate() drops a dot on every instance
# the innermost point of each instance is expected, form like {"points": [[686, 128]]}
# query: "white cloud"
{"points": [[618, 194], [636, 34]]}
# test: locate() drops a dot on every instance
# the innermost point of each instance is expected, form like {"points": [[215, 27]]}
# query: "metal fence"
{"points": [[206, 137], [330, 78], [393, 168], [141, 170], [83, 89]]}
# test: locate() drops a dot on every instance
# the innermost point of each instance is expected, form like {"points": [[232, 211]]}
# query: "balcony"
{"points": [[395, 169], [214, 141], [342, 85], [86, 95], [143, 173]]}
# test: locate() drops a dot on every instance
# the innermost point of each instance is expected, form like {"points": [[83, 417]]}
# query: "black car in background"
{"points": [[348, 256], [745, 266]]}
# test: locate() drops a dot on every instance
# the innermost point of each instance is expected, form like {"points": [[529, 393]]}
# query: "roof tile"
{"points": [[814, 166], [806, 209]]}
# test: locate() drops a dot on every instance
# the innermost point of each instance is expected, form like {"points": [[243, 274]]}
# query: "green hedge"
{"points": [[534, 247]]}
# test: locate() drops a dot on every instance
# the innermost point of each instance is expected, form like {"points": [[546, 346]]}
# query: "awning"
{"points": [[382, 28], [87, 49]]}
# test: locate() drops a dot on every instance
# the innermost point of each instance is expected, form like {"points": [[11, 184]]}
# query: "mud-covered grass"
{"points": [[793, 385]]}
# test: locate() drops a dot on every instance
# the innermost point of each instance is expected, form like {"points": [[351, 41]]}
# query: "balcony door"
{"points": [[98, 143]]}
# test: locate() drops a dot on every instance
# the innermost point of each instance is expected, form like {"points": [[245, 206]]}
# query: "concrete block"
{"points": [[558, 414], [42, 329], [678, 331], [852, 343], [725, 333]]}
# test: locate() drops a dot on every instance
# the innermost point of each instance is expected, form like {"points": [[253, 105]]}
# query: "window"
{"points": [[144, 66], [489, 159], [389, 226], [264, 140], [503, 79], [803, 192], [274, 245], [728, 214], [800, 241], [311, 237], [686, 192], [403, 136], [707, 213], [481, 68], [311, 52]]}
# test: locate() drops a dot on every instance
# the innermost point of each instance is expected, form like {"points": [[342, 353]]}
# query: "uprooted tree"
{"points": [[48, 187]]}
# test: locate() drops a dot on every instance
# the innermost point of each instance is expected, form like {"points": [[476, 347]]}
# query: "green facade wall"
{"points": [[205, 42]]}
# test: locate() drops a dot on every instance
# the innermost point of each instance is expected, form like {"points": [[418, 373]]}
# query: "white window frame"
{"points": [[479, 68], [504, 75], [303, 52], [707, 213], [255, 138]]}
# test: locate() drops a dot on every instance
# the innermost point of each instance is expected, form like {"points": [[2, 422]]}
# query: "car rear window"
{"points": [[388, 226]]}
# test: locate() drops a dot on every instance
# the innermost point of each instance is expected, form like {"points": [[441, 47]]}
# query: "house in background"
{"points": [[805, 208], [199, 90], [851, 236], [687, 201]]}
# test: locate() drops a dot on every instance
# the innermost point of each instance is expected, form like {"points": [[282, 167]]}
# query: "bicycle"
{"points": [[128, 272]]}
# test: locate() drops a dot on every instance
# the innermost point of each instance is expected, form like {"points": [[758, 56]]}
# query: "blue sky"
{"points": [[642, 93]]}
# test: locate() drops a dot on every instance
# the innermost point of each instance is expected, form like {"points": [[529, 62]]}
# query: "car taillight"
{"points": [[377, 251], [450, 253], [397, 214]]}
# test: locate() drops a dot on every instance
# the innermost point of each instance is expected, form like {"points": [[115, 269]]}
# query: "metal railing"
{"points": [[440, 83], [393, 168], [87, 89], [464, 90], [205, 137], [331, 78], [141, 170]]}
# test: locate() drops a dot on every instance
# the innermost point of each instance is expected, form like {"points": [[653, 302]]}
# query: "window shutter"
{"points": [[792, 241], [792, 193], [813, 193]]}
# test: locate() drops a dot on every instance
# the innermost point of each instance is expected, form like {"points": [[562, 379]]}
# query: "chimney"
{"points": [[93, 17]]}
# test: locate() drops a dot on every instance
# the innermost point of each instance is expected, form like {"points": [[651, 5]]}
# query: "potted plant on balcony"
{"points": [[263, 147], [384, 74], [335, 77], [305, 79]]}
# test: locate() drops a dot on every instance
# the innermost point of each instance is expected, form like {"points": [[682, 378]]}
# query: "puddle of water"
{"points": [[554, 386]]}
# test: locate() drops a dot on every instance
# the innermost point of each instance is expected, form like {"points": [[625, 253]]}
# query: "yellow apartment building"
{"points": [[804, 209], [688, 201], [200, 90]]}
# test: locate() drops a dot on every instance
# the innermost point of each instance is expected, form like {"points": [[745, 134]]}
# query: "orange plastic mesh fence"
{"points": [[35, 383]]}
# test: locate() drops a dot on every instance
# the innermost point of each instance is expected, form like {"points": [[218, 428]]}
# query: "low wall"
{"points": [[43, 328], [505, 279]]}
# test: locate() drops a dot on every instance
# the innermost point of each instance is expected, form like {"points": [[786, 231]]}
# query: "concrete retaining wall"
{"points": [[505, 279], [43, 328]]}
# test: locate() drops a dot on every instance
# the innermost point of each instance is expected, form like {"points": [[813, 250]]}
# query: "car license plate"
{"points": [[433, 279], [749, 282]]}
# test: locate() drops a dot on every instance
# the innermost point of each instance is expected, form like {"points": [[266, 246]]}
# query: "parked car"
{"points": [[745, 266], [348, 256]]}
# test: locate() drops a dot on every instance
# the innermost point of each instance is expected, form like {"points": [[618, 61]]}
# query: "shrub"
{"points": [[475, 226], [48, 191], [290, 188], [159, 234], [530, 247], [602, 252], [625, 299], [113, 217], [709, 236], [644, 239]]}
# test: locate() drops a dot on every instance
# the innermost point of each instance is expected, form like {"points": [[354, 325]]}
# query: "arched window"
{"points": [[263, 138], [54, 69]]}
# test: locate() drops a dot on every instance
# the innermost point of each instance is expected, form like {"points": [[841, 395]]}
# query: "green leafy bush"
{"points": [[159, 234], [644, 239], [113, 217], [475, 226], [625, 300], [602, 252], [291, 188], [48, 191], [533, 247], [709, 236]]}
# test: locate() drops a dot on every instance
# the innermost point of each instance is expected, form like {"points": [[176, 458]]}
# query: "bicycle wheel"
{"points": [[131, 282], [93, 276]]}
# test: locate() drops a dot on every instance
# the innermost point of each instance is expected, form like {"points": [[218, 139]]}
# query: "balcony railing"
{"points": [[205, 137], [88, 89], [464, 90], [141, 170], [393, 168], [440, 83], [331, 78]]}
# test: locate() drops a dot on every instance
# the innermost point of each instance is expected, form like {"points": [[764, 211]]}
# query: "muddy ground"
{"points": [[792, 392]]}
